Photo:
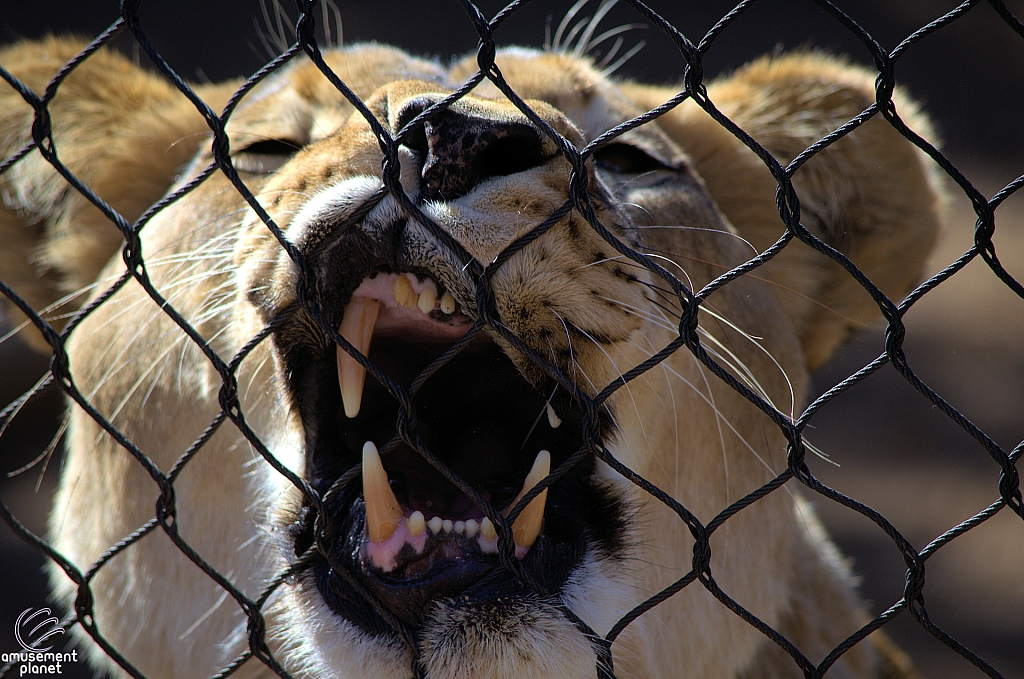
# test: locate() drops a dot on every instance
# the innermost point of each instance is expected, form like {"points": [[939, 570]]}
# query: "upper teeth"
{"points": [[447, 303], [360, 319], [384, 514], [427, 300], [404, 294]]}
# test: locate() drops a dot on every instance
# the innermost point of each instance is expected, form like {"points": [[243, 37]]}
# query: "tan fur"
{"points": [[101, 117], [786, 105], [128, 135]]}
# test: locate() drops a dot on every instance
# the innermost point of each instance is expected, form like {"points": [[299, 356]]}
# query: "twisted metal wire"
{"points": [[578, 200]]}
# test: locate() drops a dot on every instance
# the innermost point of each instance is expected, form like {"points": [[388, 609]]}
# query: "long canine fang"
{"points": [[356, 327], [526, 527], [382, 509]]}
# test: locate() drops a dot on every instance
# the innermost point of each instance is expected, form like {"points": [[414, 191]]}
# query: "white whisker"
{"points": [[689, 283], [624, 58], [557, 43], [15, 330], [583, 45], [756, 341], [718, 423], [600, 261], [636, 311], [738, 366], [572, 358], [724, 419], [625, 384], [682, 227], [729, 359], [616, 46], [608, 35], [574, 31]]}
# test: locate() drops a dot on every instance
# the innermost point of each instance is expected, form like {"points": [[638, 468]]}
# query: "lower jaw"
{"points": [[411, 604], [367, 597]]}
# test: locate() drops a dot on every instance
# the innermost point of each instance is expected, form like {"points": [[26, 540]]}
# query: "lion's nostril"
{"points": [[417, 141], [462, 149], [517, 151]]}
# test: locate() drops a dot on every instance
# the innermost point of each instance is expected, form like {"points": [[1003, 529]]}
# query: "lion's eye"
{"points": [[264, 156], [626, 159]]}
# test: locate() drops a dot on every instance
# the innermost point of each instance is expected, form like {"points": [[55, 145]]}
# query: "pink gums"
{"points": [[384, 554], [394, 320]]}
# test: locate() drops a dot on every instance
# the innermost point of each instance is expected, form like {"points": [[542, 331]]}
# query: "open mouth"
{"points": [[405, 533], [397, 531]]}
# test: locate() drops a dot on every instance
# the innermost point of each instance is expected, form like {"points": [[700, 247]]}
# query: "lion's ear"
{"points": [[871, 195], [124, 132]]}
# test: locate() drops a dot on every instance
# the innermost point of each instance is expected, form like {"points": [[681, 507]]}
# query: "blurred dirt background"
{"points": [[895, 451]]}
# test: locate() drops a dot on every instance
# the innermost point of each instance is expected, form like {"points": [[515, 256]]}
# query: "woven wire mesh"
{"points": [[578, 201]]}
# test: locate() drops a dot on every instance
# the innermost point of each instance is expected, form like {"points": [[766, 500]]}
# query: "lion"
{"points": [[392, 526]]}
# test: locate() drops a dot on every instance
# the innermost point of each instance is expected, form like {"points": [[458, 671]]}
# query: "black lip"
{"points": [[461, 419]]}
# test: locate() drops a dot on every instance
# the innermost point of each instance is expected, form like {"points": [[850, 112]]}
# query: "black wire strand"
{"points": [[578, 204]]}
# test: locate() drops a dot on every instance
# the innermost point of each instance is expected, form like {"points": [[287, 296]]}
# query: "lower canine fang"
{"points": [[527, 525], [383, 512]]}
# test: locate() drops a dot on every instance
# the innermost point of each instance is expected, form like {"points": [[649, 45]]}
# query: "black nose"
{"points": [[460, 149]]}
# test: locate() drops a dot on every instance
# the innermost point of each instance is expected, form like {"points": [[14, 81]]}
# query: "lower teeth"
{"points": [[384, 515]]}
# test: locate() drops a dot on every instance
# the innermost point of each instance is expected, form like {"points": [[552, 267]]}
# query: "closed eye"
{"points": [[265, 156], [626, 159]]}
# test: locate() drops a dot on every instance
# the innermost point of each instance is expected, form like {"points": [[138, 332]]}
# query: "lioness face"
{"points": [[440, 460], [408, 547]]}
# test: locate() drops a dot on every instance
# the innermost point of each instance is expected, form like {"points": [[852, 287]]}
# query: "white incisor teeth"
{"points": [[427, 299], [416, 523], [527, 525], [382, 509], [356, 327], [447, 303], [487, 530]]}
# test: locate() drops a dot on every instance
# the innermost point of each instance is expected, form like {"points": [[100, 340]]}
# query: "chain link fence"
{"points": [[305, 44]]}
